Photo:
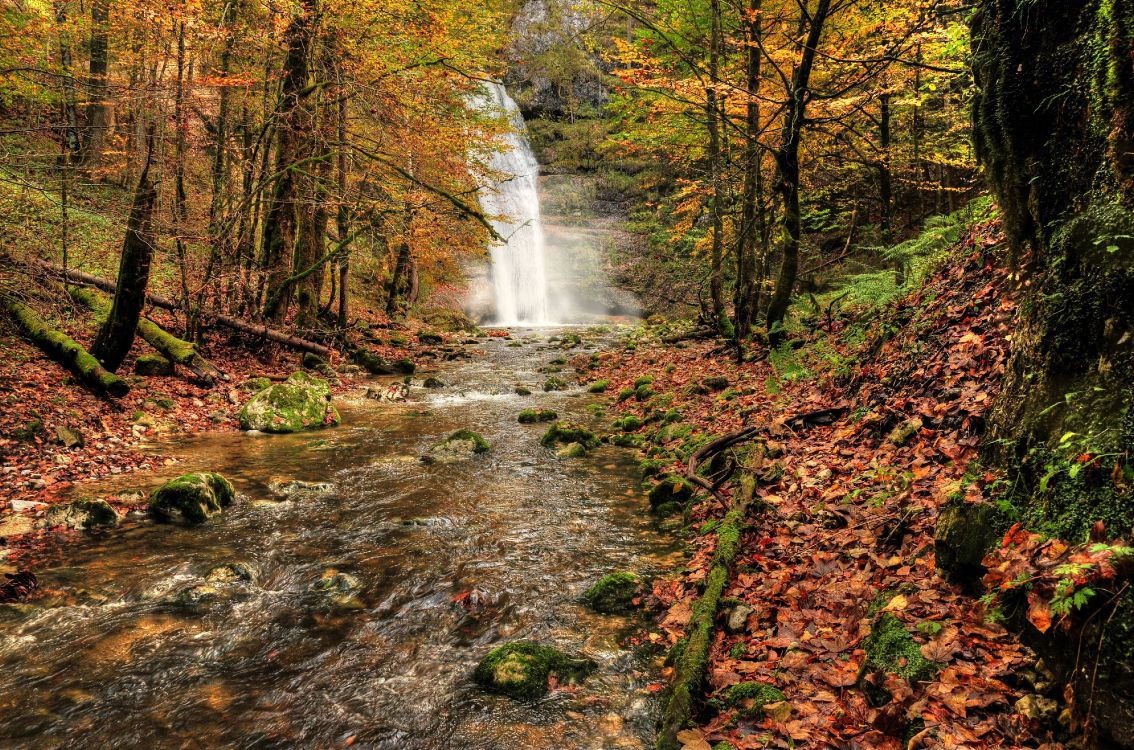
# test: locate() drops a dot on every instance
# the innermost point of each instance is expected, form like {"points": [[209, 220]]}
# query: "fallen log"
{"points": [[696, 333], [176, 350], [694, 658], [65, 350], [292, 342]]}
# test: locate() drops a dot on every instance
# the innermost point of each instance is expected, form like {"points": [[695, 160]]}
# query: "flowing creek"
{"points": [[111, 661]]}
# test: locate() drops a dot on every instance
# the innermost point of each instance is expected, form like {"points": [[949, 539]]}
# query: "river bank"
{"points": [[842, 623]]}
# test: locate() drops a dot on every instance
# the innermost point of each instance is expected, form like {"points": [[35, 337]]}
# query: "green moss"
{"points": [[671, 489], [629, 423], [599, 386], [152, 365], [569, 432], [480, 445], [643, 380], [890, 648], [964, 533], [625, 394], [192, 497], [650, 467], [302, 403], [643, 392], [751, 697], [521, 669], [614, 593], [531, 416], [554, 384]]}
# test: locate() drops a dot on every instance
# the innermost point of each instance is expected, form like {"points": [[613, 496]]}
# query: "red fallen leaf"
{"points": [[1039, 612]]}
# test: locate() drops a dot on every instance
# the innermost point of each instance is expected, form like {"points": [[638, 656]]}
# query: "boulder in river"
{"points": [[521, 669], [301, 403], [531, 416], [569, 432], [192, 498], [460, 445], [84, 513], [614, 593]]}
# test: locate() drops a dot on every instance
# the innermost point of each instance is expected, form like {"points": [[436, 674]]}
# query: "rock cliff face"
{"points": [[552, 73]]}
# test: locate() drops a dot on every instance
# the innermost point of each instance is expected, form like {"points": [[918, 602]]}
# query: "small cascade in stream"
{"points": [[519, 265]]}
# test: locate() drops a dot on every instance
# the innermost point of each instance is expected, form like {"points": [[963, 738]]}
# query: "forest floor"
{"points": [[843, 543]]}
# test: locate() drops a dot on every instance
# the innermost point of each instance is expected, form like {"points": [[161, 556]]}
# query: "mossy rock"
{"points": [[614, 593], [313, 361], [152, 365], [625, 394], [572, 450], [531, 416], [629, 423], [671, 489], [750, 697], [555, 384], [522, 391], [599, 386], [643, 392], [430, 338], [644, 380], [83, 513], [891, 649], [521, 669], [964, 533], [460, 445], [450, 321], [432, 382], [192, 498], [232, 573], [255, 385], [301, 403], [623, 440], [569, 432]]}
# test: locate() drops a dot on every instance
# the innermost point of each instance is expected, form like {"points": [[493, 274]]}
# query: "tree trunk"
{"points": [[1054, 128], [746, 299], [64, 350], [99, 108], [714, 116], [116, 335], [281, 219], [343, 218], [787, 165]]}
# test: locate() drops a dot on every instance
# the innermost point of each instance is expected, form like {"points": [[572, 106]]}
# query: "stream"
{"points": [[112, 660]]}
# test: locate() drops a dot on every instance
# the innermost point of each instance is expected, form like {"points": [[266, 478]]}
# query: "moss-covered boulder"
{"points": [[891, 649], [569, 432], [192, 498], [614, 593], [84, 513], [255, 385], [599, 386], [152, 365], [555, 384], [433, 382], [572, 450], [459, 446], [964, 533], [629, 423], [531, 416], [671, 489], [521, 669], [303, 402]]}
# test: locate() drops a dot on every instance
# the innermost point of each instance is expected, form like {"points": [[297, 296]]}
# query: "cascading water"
{"points": [[519, 265]]}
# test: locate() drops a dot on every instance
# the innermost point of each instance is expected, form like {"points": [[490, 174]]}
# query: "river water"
{"points": [[109, 660]]}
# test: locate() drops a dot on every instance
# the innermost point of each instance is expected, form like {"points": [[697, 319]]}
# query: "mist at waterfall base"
{"points": [[535, 277]]}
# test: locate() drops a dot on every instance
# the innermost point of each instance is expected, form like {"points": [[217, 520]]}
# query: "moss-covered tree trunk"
{"points": [[1054, 127], [116, 335]]}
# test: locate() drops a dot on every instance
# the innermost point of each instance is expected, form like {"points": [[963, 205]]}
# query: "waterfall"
{"points": [[519, 273]]}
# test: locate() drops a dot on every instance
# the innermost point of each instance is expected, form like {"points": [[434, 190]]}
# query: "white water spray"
{"points": [[519, 265]]}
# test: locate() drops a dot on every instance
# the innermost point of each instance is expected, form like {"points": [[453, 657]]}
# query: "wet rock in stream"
{"points": [[459, 446], [295, 489], [522, 669], [301, 403], [192, 498], [337, 588]]}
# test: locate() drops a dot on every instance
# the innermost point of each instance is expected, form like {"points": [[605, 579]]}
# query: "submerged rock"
{"points": [[290, 489], [301, 403], [338, 588], [393, 393], [84, 513], [192, 498], [614, 593], [231, 573], [521, 669], [567, 433], [460, 445], [572, 450], [432, 382]]}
